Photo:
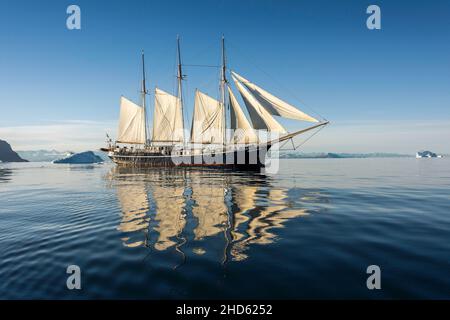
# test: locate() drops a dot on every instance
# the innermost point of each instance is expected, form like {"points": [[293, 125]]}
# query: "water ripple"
{"points": [[309, 231]]}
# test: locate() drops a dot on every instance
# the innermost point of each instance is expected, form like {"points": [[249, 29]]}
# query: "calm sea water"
{"points": [[309, 231]]}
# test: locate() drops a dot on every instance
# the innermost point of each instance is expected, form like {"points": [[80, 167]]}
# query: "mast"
{"points": [[223, 82], [143, 93], [180, 77]]}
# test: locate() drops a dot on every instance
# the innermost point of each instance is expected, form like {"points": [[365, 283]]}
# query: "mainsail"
{"points": [[208, 122], [261, 118], [244, 132], [131, 123], [168, 118], [272, 104]]}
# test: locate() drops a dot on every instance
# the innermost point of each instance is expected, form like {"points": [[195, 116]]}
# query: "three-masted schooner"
{"points": [[243, 145]]}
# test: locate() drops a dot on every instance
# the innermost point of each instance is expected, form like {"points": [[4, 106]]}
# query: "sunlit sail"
{"points": [[275, 106], [167, 118], [131, 123]]}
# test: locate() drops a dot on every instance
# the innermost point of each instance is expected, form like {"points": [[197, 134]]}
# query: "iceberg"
{"points": [[427, 154], [81, 158]]}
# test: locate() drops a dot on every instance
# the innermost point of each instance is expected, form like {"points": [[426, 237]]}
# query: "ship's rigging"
{"points": [[209, 120]]}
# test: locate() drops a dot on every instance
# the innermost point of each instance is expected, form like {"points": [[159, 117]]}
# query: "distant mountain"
{"points": [[43, 155], [7, 154], [330, 155]]}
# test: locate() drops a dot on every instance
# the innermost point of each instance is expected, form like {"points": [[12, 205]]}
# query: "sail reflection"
{"points": [[135, 206], [169, 215], [196, 212], [209, 209]]}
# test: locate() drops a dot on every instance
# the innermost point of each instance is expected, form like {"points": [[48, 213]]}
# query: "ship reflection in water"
{"points": [[180, 208]]}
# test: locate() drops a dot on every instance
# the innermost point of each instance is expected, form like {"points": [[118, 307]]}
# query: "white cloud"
{"points": [[74, 135], [346, 136]]}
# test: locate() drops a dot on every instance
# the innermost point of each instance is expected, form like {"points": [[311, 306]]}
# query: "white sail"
{"points": [[261, 118], [131, 123], [208, 122], [272, 104], [244, 132], [168, 118]]}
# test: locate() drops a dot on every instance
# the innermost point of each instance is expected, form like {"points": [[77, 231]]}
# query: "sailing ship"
{"points": [[220, 133]]}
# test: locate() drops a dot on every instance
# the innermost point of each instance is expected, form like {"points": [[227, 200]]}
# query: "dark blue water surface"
{"points": [[309, 231]]}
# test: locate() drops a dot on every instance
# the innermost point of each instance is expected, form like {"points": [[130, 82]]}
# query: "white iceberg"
{"points": [[427, 154], [81, 158]]}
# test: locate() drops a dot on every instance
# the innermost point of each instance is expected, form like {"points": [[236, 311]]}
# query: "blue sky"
{"points": [[383, 90]]}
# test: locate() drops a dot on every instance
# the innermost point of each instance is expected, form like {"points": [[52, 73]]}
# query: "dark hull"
{"points": [[251, 158]]}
